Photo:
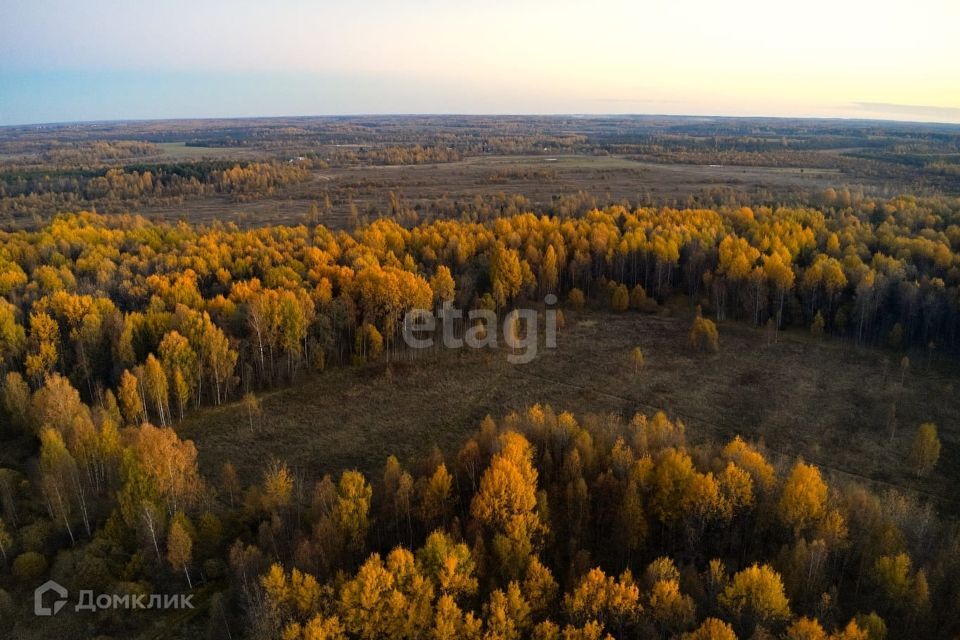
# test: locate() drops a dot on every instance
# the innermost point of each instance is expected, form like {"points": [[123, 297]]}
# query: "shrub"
{"points": [[704, 335], [620, 298], [576, 298]]}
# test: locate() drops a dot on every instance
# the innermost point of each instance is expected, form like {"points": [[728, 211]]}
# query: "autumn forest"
{"points": [[141, 329]]}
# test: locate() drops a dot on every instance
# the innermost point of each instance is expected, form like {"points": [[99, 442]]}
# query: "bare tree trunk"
{"points": [[83, 502], [63, 512], [143, 400], [151, 526]]}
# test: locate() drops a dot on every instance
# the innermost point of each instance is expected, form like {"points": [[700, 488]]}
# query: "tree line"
{"points": [[209, 312], [33, 191]]}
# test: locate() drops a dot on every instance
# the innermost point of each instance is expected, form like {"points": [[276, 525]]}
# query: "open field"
{"points": [[543, 180], [445, 166], [179, 151], [823, 400]]}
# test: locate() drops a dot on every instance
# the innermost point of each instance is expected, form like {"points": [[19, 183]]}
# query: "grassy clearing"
{"points": [[823, 400], [607, 178], [180, 151]]}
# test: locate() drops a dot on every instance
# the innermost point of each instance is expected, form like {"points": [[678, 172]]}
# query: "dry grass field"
{"points": [[180, 151], [543, 180], [823, 400]]}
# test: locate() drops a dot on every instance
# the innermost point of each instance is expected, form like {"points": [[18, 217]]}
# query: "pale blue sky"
{"points": [[112, 59]]}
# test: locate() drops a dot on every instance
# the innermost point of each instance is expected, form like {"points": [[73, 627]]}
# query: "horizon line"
{"points": [[453, 114]]}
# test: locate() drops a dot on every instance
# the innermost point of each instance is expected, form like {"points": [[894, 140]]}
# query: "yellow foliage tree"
{"points": [[925, 450], [605, 599], [712, 629], [180, 546], [506, 502], [636, 356], [803, 501], [755, 596], [704, 335], [620, 298]]}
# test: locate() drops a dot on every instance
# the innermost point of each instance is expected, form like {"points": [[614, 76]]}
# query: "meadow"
{"points": [[825, 400]]}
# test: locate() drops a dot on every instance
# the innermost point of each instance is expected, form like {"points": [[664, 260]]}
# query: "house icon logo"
{"points": [[39, 608]]}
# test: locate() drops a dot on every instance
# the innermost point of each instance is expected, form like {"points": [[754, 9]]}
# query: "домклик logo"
{"points": [[42, 610]]}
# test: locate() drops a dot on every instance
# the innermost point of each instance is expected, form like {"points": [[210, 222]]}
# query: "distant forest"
{"points": [[119, 167]]}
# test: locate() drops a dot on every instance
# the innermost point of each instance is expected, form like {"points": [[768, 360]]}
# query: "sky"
{"points": [[111, 59]]}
